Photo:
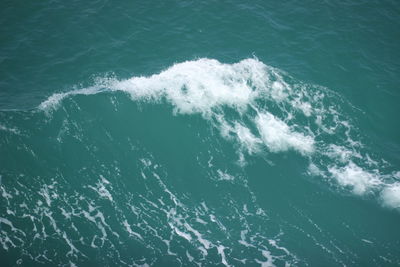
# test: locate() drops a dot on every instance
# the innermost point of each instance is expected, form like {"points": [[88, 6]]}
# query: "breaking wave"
{"points": [[263, 110]]}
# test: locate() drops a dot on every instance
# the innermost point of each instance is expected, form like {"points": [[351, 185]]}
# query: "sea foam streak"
{"points": [[274, 113]]}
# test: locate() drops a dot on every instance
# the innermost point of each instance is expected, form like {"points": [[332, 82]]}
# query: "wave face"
{"points": [[182, 167]]}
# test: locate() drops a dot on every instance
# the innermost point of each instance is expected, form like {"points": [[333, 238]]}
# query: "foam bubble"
{"points": [[278, 136], [391, 196], [279, 90], [223, 176], [247, 139], [339, 152], [314, 170], [198, 86], [355, 177], [7, 129]]}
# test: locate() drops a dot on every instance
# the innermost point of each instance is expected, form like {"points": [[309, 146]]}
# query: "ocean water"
{"points": [[200, 133]]}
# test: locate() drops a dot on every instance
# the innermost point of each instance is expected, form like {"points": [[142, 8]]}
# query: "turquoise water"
{"points": [[184, 133]]}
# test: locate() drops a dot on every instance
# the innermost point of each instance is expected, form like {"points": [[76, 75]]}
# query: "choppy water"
{"points": [[184, 133]]}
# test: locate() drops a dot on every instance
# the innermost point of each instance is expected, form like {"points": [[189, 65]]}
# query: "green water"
{"points": [[209, 133]]}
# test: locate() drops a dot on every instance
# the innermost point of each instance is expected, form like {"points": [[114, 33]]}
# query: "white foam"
{"points": [[101, 189], [259, 95], [10, 224], [270, 260], [201, 85], [339, 152], [355, 177], [278, 136], [186, 236], [206, 244], [7, 129], [221, 252], [243, 239], [279, 90], [225, 176], [367, 241], [247, 139], [130, 231], [45, 193], [54, 100], [275, 245], [73, 250], [190, 257], [391, 196], [192, 86], [314, 170]]}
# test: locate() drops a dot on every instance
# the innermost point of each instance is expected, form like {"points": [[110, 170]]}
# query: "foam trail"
{"points": [[54, 100], [270, 114]]}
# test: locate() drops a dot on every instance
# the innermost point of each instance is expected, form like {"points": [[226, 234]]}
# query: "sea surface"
{"points": [[200, 133]]}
